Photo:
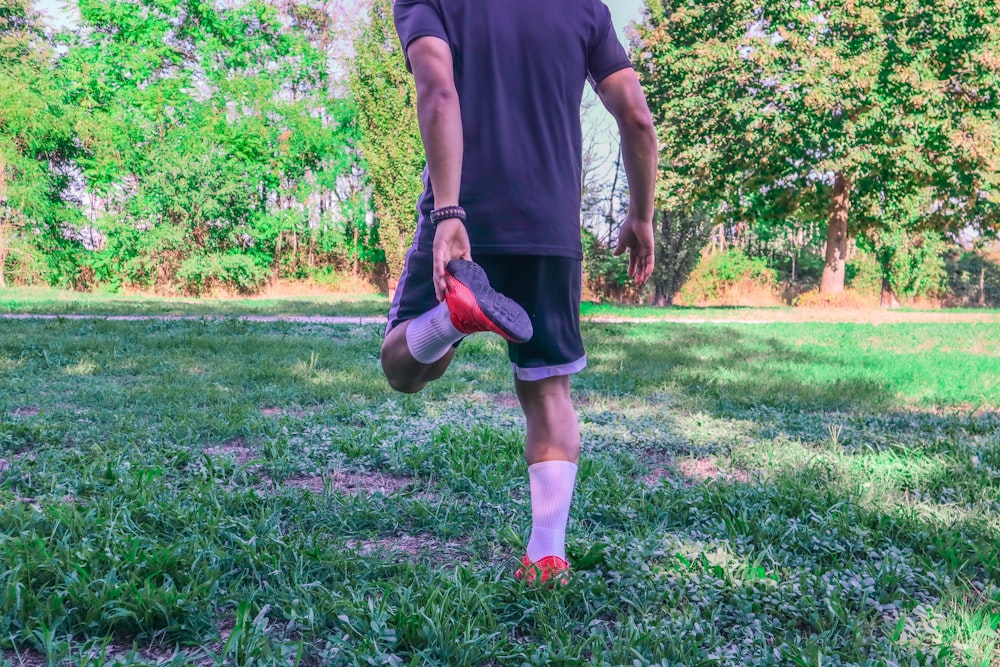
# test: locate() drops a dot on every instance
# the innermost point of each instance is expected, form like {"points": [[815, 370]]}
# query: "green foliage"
{"points": [[390, 136], [718, 272], [239, 273], [760, 106], [605, 275], [681, 239], [912, 263], [194, 130], [36, 139], [864, 274], [967, 272]]}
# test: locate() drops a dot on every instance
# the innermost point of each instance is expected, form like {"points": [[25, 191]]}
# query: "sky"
{"points": [[623, 12]]}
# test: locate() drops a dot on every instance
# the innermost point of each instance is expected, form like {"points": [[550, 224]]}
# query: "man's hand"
{"points": [[451, 241], [636, 236]]}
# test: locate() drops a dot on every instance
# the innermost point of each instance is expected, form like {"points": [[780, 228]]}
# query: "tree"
{"points": [[681, 236], [390, 136], [212, 148], [36, 139], [870, 113]]}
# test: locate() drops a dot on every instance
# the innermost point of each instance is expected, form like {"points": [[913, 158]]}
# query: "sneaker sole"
{"points": [[504, 313]]}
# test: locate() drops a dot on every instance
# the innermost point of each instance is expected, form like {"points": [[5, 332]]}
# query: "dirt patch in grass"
{"points": [[505, 399], [26, 411], [113, 654], [694, 471], [353, 483], [411, 545], [700, 470], [273, 411], [25, 658], [236, 449]]}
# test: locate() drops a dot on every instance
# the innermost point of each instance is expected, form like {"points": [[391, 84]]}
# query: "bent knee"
{"points": [[404, 385]]}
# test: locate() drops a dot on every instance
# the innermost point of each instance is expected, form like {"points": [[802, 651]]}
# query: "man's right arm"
{"points": [[622, 95]]}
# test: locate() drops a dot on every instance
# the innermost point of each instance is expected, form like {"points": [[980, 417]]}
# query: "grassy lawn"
{"points": [[45, 301], [58, 302], [209, 492]]}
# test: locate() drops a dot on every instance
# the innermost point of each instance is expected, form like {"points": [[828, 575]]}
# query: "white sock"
{"points": [[431, 335], [552, 485]]}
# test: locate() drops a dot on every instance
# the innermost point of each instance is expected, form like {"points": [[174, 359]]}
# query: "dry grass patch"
{"points": [[274, 411], [26, 411], [410, 545], [353, 483], [694, 471]]}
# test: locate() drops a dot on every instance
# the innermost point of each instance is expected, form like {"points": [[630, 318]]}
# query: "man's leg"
{"points": [[422, 334], [405, 373], [552, 449]]}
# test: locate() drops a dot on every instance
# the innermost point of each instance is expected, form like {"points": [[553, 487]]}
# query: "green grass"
{"points": [[33, 300], [230, 492]]}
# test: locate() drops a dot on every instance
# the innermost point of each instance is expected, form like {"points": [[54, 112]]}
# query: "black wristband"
{"points": [[446, 213]]}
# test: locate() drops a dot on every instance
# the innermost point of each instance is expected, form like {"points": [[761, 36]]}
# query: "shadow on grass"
{"points": [[729, 370]]}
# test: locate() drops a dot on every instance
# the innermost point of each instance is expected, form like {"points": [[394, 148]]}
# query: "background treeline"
{"points": [[185, 146]]}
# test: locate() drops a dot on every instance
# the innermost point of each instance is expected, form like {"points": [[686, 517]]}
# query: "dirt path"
{"points": [[827, 315]]}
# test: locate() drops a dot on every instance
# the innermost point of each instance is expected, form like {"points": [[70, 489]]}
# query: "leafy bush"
{"points": [[912, 263], [680, 238], [238, 273], [849, 298], [605, 275], [963, 272], [26, 264], [864, 274], [716, 274]]}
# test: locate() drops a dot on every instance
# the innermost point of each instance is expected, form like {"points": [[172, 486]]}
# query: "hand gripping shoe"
{"points": [[543, 570], [475, 306]]}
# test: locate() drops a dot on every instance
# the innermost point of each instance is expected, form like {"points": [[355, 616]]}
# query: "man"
{"points": [[499, 86]]}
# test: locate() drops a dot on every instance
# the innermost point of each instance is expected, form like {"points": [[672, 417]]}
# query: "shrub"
{"points": [[717, 274], [912, 262], [963, 273], [680, 238], [849, 298], [864, 274], [605, 276], [239, 273], [25, 264]]}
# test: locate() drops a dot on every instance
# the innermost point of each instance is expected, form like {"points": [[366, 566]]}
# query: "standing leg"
{"points": [[552, 449]]}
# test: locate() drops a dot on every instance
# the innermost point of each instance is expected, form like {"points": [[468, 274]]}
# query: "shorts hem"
{"points": [[546, 372]]}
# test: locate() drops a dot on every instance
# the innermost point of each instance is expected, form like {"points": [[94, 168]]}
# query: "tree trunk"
{"points": [[888, 299], [357, 254], [836, 237], [982, 285]]}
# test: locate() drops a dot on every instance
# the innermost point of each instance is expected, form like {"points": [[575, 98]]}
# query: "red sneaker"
{"points": [[549, 567], [475, 306]]}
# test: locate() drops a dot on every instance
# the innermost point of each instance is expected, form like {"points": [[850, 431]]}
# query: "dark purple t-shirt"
{"points": [[520, 68]]}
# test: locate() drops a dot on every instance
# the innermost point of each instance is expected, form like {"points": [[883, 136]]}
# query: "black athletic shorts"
{"points": [[548, 288]]}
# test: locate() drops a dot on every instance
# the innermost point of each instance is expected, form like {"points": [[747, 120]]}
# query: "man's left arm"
{"points": [[440, 117]]}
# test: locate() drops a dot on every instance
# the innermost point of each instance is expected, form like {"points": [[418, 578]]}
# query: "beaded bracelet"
{"points": [[439, 214]]}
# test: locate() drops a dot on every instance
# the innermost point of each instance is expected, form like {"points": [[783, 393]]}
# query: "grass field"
{"points": [[56, 302], [230, 492], [314, 302]]}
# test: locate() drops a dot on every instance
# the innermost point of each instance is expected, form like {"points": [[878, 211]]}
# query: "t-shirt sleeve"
{"points": [[605, 55], [415, 19]]}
